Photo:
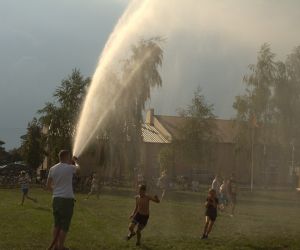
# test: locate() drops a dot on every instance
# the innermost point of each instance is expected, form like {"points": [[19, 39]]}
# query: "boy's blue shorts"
{"points": [[25, 190]]}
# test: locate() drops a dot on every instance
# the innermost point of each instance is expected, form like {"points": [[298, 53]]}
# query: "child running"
{"points": [[94, 186], [140, 214], [211, 206], [24, 182]]}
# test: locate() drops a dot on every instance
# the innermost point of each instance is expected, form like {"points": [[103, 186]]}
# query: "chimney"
{"points": [[150, 117]]}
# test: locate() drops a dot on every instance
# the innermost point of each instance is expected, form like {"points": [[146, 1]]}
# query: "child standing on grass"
{"points": [[223, 195], [140, 214], [24, 182], [211, 206]]}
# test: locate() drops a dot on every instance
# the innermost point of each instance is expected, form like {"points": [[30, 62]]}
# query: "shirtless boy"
{"points": [[140, 215]]}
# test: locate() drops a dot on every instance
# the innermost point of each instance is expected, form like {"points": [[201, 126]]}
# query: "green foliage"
{"points": [[3, 153], [268, 113], [139, 74], [287, 98], [60, 116], [254, 109], [198, 133], [32, 148]]}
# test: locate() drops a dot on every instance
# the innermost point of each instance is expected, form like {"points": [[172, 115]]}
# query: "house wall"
{"points": [[150, 159]]}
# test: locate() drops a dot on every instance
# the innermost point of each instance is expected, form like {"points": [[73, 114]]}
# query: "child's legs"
{"points": [[206, 225], [25, 192], [91, 191], [139, 232], [131, 227], [23, 198], [29, 198], [210, 225], [163, 193]]}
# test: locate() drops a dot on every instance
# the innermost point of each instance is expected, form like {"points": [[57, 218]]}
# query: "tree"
{"points": [[59, 117], [32, 147], [198, 133], [139, 74], [287, 98], [255, 108], [3, 153]]}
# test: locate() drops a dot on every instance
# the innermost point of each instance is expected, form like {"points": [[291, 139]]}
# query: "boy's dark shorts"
{"points": [[140, 220], [25, 191], [211, 214], [62, 212]]}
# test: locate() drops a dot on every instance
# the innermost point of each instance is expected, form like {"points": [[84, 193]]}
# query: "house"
{"points": [[268, 166], [160, 131]]}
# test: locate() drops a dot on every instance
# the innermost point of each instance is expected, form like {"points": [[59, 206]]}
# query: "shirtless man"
{"points": [[140, 215]]}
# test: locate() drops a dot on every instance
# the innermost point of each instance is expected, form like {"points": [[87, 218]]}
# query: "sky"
{"points": [[208, 44]]}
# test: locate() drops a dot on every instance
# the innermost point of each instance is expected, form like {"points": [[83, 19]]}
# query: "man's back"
{"points": [[62, 176]]}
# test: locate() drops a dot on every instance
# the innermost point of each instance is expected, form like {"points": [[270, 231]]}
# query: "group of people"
{"points": [[59, 181], [220, 195]]}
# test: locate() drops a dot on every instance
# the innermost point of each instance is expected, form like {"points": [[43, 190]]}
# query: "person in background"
{"points": [[163, 183], [232, 193], [94, 187], [216, 185], [60, 182], [211, 207], [24, 182], [223, 195]]}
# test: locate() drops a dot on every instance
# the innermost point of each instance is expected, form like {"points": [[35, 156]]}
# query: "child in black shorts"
{"points": [[140, 215], [211, 206]]}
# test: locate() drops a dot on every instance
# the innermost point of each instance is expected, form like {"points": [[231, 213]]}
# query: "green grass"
{"points": [[264, 220]]}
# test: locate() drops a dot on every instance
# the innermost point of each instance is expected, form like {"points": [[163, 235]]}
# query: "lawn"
{"points": [[264, 220]]}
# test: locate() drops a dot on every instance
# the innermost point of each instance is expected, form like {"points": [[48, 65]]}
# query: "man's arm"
{"points": [[77, 167], [49, 183], [154, 198]]}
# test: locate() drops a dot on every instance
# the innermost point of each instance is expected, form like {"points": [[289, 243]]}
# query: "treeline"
{"points": [[270, 107], [268, 113], [58, 119]]}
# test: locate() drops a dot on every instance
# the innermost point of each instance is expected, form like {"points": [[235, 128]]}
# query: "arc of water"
{"points": [[99, 100]]}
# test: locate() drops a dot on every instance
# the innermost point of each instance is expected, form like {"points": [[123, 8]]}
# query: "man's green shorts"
{"points": [[62, 212]]}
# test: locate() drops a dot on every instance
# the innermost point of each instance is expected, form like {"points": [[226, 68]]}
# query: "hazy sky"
{"points": [[209, 43]]}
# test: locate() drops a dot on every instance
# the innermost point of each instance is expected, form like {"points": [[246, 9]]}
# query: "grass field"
{"points": [[264, 220]]}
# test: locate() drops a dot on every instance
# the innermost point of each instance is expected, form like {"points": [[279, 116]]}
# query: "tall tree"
{"points": [[3, 153], [141, 71], [197, 135], [287, 98], [139, 74], [59, 117], [255, 108], [33, 146]]}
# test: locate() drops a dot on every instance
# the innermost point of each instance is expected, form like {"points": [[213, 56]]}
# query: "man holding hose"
{"points": [[60, 182]]}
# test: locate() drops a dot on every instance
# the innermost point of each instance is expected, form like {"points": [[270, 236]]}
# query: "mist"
{"points": [[207, 44]]}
